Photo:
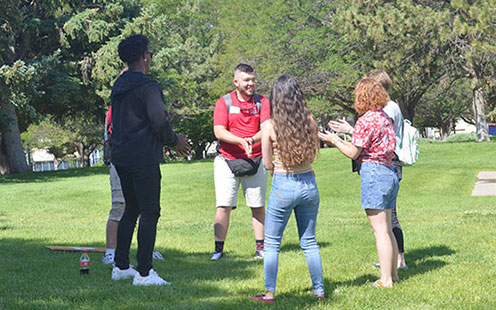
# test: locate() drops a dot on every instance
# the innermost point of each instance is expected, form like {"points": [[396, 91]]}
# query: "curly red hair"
{"points": [[369, 95]]}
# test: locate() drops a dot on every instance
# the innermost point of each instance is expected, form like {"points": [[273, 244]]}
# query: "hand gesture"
{"points": [[329, 138], [340, 126], [182, 147], [247, 145]]}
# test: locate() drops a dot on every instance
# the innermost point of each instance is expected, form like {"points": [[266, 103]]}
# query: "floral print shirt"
{"points": [[374, 134]]}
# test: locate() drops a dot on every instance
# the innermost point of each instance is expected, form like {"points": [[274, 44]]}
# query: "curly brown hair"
{"points": [[294, 125], [369, 95]]}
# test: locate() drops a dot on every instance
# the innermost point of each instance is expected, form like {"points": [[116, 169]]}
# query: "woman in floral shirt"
{"points": [[373, 145]]}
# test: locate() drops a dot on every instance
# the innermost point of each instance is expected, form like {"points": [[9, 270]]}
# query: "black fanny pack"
{"points": [[244, 167]]}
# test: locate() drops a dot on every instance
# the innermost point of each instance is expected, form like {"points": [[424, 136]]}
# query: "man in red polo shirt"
{"points": [[238, 119]]}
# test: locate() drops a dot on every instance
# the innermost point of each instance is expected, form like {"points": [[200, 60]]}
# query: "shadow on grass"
{"points": [[37, 278], [50, 176], [295, 247], [3, 225], [419, 260], [424, 260]]}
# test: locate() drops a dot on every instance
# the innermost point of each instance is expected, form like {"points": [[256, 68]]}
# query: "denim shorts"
{"points": [[379, 187]]}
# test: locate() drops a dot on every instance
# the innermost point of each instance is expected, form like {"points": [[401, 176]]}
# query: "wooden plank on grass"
{"points": [[74, 248]]}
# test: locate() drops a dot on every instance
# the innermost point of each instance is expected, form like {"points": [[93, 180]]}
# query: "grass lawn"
{"points": [[449, 240]]}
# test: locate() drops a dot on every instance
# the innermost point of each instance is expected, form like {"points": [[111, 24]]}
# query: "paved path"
{"points": [[486, 185]]}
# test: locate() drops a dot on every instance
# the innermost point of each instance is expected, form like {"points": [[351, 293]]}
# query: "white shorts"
{"points": [[226, 186]]}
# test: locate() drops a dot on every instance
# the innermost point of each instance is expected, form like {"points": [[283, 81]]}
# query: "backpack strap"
{"points": [[106, 133], [258, 102], [228, 100]]}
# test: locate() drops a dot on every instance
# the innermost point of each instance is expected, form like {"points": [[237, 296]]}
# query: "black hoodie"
{"points": [[140, 123]]}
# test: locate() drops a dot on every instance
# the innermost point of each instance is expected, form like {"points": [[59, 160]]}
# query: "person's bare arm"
{"points": [[267, 151], [225, 135], [348, 149]]}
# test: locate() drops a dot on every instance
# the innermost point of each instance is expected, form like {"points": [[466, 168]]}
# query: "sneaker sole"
{"points": [[121, 278], [216, 258], [151, 284]]}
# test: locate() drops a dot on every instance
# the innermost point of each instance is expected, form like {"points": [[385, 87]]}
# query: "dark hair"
{"points": [[132, 48], [244, 68], [294, 125]]}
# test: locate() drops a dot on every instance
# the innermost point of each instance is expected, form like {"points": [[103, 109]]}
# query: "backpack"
{"points": [[408, 150], [256, 100]]}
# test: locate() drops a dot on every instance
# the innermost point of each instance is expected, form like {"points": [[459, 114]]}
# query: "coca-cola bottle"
{"points": [[84, 263]]}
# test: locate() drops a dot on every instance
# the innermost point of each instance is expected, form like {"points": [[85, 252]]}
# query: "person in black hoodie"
{"points": [[140, 129]]}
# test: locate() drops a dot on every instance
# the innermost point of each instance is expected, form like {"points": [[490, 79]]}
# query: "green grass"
{"points": [[449, 240]]}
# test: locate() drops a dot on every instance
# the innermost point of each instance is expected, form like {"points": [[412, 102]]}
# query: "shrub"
{"points": [[462, 137], [427, 141]]}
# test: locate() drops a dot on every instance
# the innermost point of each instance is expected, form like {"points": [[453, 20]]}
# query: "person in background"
{"points": [[140, 129], [393, 110], [290, 144], [373, 143]]}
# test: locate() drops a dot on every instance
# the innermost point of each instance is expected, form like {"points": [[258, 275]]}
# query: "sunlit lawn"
{"points": [[449, 240]]}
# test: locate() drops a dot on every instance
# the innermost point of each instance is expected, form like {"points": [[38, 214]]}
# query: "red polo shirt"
{"points": [[243, 120]]}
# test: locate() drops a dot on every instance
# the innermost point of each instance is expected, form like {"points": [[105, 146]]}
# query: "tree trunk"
{"points": [[480, 114], [13, 144], [407, 109], [85, 156], [4, 160], [86, 159], [444, 131]]}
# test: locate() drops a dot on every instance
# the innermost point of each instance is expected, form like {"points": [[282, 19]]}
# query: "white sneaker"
{"points": [[108, 259], [217, 256], [123, 274], [156, 255], [152, 279], [259, 254]]}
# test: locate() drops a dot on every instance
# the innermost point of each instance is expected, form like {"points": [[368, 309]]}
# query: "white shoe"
{"points": [[217, 256], [259, 254], [123, 274], [156, 255], [108, 259], [152, 279]]}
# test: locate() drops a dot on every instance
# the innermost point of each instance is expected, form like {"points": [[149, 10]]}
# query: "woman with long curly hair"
{"points": [[373, 143], [290, 144]]}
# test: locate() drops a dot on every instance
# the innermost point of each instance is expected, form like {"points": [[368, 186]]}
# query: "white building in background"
{"points": [[461, 127], [464, 127], [42, 160]]}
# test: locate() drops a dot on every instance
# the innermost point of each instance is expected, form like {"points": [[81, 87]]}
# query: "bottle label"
{"points": [[84, 263]]}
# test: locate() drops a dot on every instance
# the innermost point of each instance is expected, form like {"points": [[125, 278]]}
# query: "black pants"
{"points": [[141, 189]]}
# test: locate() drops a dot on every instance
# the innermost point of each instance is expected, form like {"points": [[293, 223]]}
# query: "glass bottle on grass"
{"points": [[84, 263]]}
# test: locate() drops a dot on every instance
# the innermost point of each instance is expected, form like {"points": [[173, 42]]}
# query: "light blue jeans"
{"points": [[290, 192]]}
